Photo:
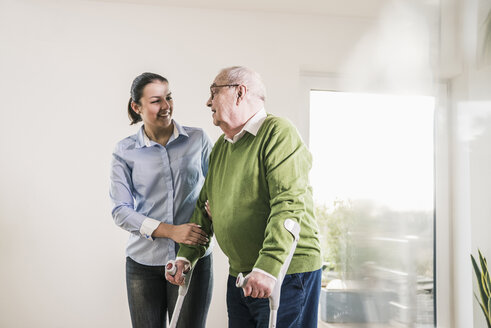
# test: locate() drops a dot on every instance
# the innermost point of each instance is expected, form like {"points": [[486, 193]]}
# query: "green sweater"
{"points": [[253, 185]]}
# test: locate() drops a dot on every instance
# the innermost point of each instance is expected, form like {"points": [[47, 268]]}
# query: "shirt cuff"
{"points": [[264, 272], [183, 259], [148, 227]]}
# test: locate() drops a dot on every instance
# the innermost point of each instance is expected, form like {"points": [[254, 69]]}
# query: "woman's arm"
{"points": [[126, 217]]}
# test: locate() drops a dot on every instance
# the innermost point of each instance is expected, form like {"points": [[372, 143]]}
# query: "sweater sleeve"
{"points": [[287, 163]]}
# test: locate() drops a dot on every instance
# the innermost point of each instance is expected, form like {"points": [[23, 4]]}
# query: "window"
{"points": [[373, 181]]}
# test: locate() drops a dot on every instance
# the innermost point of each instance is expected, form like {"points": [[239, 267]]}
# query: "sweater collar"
{"points": [[251, 126]]}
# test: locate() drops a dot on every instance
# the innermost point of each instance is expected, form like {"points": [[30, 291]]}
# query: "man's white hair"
{"points": [[246, 76]]}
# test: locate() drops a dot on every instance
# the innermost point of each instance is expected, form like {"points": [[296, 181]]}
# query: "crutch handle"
{"points": [[170, 268], [241, 280]]}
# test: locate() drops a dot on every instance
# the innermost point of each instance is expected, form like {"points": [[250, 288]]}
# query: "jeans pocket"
{"points": [[298, 278], [295, 281], [292, 301]]}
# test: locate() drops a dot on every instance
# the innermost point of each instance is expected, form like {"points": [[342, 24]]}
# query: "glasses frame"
{"points": [[212, 95]]}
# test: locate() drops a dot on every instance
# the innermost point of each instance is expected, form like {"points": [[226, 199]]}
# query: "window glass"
{"points": [[373, 181]]}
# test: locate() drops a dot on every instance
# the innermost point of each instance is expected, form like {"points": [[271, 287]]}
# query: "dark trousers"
{"points": [[150, 296], [299, 303]]}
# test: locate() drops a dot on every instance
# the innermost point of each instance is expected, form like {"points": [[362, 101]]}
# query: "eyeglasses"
{"points": [[220, 86]]}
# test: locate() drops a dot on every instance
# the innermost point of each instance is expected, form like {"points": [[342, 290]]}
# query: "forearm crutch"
{"points": [[171, 269], [274, 299]]}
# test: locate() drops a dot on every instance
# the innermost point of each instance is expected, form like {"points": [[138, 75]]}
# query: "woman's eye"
{"points": [[156, 101], [168, 98]]}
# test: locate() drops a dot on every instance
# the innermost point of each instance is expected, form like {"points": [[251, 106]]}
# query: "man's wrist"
{"points": [[180, 258], [264, 272]]}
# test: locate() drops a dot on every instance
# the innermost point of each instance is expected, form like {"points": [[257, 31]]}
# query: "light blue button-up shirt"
{"points": [[152, 182]]}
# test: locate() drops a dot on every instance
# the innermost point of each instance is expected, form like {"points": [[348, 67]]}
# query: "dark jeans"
{"points": [[299, 303], [150, 296]]}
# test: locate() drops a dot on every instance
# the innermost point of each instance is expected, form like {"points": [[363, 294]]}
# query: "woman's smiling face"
{"points": [[156, 105]]}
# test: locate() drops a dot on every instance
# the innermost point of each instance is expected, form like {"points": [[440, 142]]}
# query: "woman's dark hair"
{"points": [[137, 87]]}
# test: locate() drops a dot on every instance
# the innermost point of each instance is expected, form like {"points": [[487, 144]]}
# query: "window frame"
{"points": [[310, 81]]}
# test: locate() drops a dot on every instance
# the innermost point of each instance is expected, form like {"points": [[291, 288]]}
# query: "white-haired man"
{"points": [[257, 178]]}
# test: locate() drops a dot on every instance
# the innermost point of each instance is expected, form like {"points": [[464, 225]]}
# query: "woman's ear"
{"points": [[135, 107]]}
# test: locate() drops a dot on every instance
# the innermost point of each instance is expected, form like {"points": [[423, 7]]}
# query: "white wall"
{"points": [[65, 74]]}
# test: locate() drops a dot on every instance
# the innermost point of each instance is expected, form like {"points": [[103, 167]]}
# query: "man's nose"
{"points": [[208, 102]]}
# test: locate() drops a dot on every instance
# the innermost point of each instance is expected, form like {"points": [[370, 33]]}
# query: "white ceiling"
{"points": [[350, 8]]}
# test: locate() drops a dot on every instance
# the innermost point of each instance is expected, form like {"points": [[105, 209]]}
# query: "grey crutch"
{"points": [[274, 299], [170, 268]]}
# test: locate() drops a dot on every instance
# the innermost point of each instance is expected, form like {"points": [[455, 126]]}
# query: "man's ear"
{"points": [[241, 93]]}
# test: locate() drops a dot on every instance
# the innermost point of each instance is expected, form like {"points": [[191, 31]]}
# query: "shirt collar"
{"points": [[144, 140], [251, 126]]}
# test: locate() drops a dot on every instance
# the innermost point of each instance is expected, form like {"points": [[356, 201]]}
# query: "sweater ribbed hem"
{"points": [[299, 264]]}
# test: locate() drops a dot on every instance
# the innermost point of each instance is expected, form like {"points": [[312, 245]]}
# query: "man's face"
{"points": [[222, 102]]}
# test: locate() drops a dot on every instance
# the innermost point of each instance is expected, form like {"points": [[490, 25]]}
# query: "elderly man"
{"points": [[257, 178]]}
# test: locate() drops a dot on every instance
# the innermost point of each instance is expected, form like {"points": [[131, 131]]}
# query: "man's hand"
{"points": [[258, 285], [178, 278]]}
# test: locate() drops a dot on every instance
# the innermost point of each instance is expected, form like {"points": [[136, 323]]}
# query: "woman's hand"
{"points": [[188, 233]]}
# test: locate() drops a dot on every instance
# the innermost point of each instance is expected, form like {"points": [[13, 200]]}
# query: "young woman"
{"points": [[156, 177]]}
